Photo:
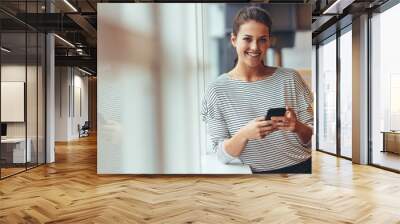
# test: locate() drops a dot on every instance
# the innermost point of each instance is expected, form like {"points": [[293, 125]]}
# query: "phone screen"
{"points": [[275, 112]]}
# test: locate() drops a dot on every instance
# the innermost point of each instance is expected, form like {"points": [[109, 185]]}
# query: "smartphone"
{"points": [[275, 112]]}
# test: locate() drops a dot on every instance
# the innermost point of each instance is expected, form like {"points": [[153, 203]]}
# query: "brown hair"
{"points": [[255, 13]]}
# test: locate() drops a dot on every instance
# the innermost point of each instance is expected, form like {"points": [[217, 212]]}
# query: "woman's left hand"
{"points": [[287, 122]]}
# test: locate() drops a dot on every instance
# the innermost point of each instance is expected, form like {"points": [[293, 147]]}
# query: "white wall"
{"points": [[33, 127], [61, 103], [13, 101], [69, 84], [299, 56], [12, 73], [81, 82]]}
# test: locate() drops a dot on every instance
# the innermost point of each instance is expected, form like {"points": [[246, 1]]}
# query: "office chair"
{"points": [[84, 130]]}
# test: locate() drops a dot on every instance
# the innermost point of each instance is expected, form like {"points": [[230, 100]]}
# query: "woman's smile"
{"points": [[253, 54]]}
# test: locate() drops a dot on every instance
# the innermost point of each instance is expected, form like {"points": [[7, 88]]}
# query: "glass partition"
{"points": [[22, 88], [327, 96], [346, 93], [385, 89], [13, 109]]}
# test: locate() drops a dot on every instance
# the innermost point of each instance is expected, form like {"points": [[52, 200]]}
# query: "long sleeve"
{"points": [[222, 155], [304, 103], [216, 125]]}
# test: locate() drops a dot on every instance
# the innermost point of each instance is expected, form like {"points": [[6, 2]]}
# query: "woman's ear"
{"points": [[233, 40]]}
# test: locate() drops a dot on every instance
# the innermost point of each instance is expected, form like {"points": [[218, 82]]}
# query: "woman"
{"points": [[235, 105]]}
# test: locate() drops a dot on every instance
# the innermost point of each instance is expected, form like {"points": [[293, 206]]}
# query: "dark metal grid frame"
{"points": [[37, 93]]}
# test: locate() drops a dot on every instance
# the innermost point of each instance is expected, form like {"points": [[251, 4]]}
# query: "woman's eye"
{"points": [[263, 40], [247, 39]]}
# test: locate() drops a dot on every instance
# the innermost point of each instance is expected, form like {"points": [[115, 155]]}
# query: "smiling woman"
{"points": [[251, 43], [236, 103]]}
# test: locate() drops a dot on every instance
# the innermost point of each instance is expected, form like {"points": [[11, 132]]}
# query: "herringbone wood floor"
{"points": [[70, 191]]}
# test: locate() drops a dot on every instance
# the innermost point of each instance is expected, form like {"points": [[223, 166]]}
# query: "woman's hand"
{"points": [[288, 122], [258, 128], [255, 129]]}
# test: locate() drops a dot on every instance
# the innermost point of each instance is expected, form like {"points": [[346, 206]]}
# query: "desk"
{"points": [[17, 150], [391, 141], [211, 165]]}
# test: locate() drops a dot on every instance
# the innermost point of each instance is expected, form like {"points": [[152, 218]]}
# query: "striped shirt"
{"points": [[230, 104]]}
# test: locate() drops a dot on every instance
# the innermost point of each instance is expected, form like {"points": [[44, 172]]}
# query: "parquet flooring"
{"points": [[70, 191], [10, 171], [387, 159]]}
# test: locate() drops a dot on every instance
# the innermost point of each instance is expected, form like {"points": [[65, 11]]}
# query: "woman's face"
{"points": [[251, 43]]}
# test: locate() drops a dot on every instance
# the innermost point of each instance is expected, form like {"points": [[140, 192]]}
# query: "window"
{"points": [[385, 88], [327, 96], [346, 94]]}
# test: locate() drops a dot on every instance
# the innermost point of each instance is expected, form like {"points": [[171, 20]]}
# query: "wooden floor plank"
{"points": [[70, 191]]}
